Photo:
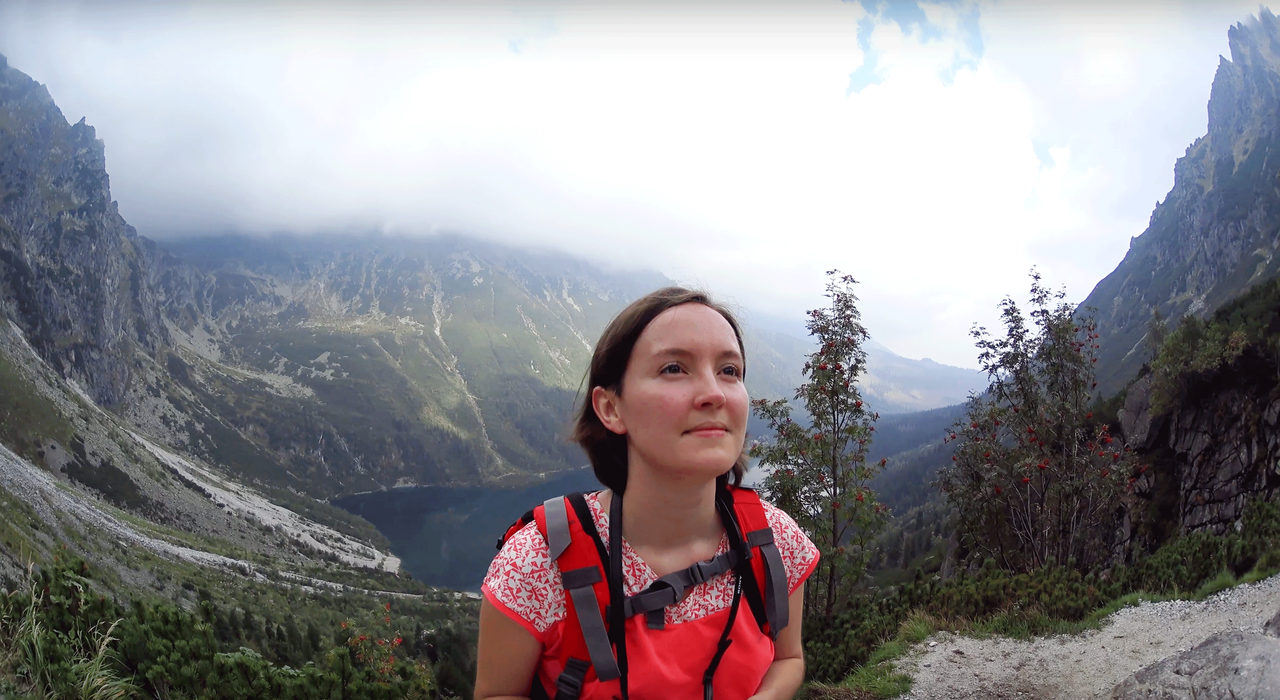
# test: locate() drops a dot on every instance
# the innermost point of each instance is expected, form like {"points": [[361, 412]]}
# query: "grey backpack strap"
{"points": [[579, 584], [669, 590], [558, 535], [775, 591]]}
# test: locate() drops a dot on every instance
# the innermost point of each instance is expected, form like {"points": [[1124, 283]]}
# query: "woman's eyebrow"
{"points": [[684, 354]]}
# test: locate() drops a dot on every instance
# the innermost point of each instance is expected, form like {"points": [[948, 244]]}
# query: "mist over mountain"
{"points": [[328, 364]]}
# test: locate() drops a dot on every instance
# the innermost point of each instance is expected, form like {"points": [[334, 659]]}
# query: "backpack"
{"points": [[593, 580]]}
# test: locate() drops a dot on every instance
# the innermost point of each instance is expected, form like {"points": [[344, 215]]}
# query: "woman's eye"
{"points": [[733, 371], [671, 368]]}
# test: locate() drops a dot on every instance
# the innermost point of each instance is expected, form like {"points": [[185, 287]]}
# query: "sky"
{"points": [[936, 152]]}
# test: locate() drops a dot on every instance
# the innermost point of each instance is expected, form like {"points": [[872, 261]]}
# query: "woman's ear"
{"points": [[605, 402]]}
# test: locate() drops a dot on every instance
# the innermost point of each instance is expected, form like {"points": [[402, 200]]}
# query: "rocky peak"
{"points": [[1245, 88], [1216, 233], [70, 273]]}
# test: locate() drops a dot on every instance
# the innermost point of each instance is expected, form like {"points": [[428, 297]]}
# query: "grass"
{"points": [[27, 417], [1221, 582], [29, 659], [879, 678], [16, 527]]}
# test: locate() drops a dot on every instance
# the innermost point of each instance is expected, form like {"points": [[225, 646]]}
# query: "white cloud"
{"points": [[716, 142]]}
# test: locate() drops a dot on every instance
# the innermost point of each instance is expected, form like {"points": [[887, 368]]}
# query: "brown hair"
{"points": [[606, 449]]}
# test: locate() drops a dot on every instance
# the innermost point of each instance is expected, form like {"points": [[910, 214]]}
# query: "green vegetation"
{"points": [[385, 408], [913, 540], [820, 473], [858, 649], [61, 637], [877, 678], [27, 419], [17, 528], [107, 479], [1035, 479], [1197, 348], [326, 514], [913, 445]]}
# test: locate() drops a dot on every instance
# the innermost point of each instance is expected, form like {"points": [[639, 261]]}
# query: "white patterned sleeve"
{"points": [[524, 583], [799, 553]]}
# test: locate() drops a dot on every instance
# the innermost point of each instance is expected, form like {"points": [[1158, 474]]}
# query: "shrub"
{"points": [[57, 639], [1035, 478], [820, 473]]}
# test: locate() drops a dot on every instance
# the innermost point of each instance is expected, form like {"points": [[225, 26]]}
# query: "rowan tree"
{"points": [[1035, 479], [819, 471]]}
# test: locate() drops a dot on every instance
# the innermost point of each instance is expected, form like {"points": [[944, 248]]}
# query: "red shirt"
{"points": [[669, 663]]}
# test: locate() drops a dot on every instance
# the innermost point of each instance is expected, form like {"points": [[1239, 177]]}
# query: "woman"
{"points": [[664, 424]]}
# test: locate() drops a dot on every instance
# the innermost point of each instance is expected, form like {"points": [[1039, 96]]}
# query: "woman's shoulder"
{"points": [[525, 581], [799, 553]]}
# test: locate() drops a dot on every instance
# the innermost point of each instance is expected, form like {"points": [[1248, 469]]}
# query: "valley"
{"points": [[278, 439]]}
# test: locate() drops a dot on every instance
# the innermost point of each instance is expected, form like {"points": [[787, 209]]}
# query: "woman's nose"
{"points": [[710, 393]]}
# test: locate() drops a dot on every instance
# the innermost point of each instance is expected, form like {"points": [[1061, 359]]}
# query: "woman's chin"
{"points": [[706, 467]]}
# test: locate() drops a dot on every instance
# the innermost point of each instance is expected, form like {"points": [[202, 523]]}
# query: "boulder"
{"points": [[1272, 627], [1135, 417], [1231, 665]]}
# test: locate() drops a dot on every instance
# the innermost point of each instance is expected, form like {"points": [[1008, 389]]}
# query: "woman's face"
{"points": [[683, 405]]}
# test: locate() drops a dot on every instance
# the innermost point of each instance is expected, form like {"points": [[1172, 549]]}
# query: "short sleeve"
{"points": [[799, 553], [524, 584]]}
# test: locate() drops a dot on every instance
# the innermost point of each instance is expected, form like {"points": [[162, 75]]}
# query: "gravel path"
{"points": [[1088, 665]]}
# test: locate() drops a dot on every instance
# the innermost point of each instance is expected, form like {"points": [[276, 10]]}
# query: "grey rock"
{"points": [[1223, 439], [1272, 627], [71, 274], [1230, 665], [1135, 417]]}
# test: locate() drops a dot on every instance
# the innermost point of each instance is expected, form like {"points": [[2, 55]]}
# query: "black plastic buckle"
{"points": [[569, 684], [699, 572]]}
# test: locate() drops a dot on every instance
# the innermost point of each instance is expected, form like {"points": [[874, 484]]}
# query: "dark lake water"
{"points": [[445, 536]]}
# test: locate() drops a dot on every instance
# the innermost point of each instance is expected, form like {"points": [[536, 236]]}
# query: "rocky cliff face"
{"points": [[1217, 231], [1217, 450], [70, 272]]}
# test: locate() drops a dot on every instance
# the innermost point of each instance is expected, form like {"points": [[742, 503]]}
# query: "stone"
{"points": [[1272, 627], [1135, 417], [1231, 665]]}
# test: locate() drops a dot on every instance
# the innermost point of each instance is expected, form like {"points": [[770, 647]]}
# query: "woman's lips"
{"points": [[709, 432]]}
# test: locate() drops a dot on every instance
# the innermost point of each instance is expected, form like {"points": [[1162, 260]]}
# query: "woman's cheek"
{"points": [[740, 402]]}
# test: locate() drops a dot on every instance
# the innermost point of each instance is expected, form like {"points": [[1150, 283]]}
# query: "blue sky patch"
{"points": [[1042, 153], [910, 18]]}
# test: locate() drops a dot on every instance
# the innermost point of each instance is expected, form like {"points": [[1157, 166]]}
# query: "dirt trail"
{"points": [[1083, 666]]}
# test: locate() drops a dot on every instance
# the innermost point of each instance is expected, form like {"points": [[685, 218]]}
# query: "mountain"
{"points": [[325, 364], [71, 270], [1215, 235], [85, 344], [896, 385], [254, 374], [356, 364], [892, 384], [1210, 243], [337, 364]]}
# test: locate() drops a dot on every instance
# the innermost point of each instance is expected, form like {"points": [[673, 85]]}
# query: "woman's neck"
{"points": [[662, 515]]}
